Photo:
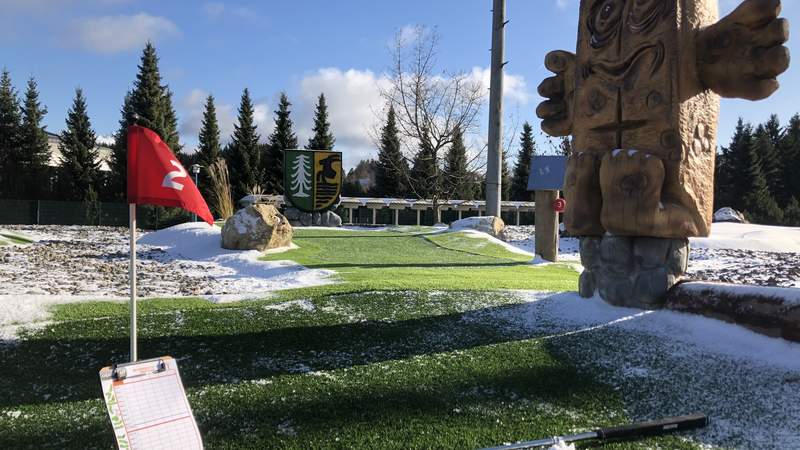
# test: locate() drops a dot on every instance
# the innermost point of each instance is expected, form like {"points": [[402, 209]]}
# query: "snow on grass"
{"points": [[745, 236], [481, 235], [251, 277], [668, 363]]}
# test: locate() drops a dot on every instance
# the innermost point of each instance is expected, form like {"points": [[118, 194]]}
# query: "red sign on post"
{"points": [[559, 205]]}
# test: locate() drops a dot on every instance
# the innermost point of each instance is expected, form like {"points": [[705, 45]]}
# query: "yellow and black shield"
{"points": [[312, 179]]}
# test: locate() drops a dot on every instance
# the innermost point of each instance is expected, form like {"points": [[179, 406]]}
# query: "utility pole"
{"points": [[494, 162]]}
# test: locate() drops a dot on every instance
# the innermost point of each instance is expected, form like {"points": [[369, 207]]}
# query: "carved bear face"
{"points": [[627, 76]]}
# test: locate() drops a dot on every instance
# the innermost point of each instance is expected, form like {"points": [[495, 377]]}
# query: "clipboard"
{"points": [[147, 406]]}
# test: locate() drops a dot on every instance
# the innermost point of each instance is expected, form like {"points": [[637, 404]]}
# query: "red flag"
{"points": [[155, 175]]}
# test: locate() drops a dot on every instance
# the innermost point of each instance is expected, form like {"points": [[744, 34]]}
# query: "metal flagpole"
{"points": [[132, 277]]}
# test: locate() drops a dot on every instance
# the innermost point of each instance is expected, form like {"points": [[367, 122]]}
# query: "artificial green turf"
{"points": [[400, 353], [382, 260], [9, 238], [369, 370]]}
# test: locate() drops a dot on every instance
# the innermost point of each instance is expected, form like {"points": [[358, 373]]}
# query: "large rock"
{"points": [[727, 214], [318, 219], [488, 224], [256, 227]]}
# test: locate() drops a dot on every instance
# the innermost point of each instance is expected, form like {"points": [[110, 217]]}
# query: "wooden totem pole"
{"points": [[641, 101]]}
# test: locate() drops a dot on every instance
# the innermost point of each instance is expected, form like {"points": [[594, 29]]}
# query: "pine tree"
{"points": [[208, 149], [791, 215], [245, 153], [734, 168], [9, 137], [522, 171], [116, 183], [390, 176], [281, 139], [34, 151], [424, 171], [323, 138], [790, 159], [505, 178], [456, 174], [770, 159], [79, 168], [565, 146], [152, 103], [758, 202]]}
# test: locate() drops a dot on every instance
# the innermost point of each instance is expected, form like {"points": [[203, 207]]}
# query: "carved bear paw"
{"points": [[631, 182], [582, 192]]}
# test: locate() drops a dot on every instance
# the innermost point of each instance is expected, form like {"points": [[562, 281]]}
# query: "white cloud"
{"points": [[514, 86], [353, 97], [113, 34], [214, 9], [193, 106]]}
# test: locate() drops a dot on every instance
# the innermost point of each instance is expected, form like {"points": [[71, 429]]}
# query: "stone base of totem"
{"points": [[632, 271]]}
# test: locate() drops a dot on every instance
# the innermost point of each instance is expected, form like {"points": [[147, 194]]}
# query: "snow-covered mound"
{"points": [[727, 214], [745, 236], [254, 278]]}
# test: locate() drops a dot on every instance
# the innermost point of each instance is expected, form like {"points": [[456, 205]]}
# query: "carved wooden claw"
{"points": [[556, 112], [631, 183], [741, 55]]}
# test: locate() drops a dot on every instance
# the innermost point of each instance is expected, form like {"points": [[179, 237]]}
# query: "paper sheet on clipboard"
{"points": [[147, 406]]}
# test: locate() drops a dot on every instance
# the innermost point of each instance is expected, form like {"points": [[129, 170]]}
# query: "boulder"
{"points": [[256, 227], [488, 224], [727, 214]]}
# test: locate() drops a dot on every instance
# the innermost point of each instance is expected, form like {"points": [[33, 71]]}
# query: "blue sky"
{"points": [[303, 47]]}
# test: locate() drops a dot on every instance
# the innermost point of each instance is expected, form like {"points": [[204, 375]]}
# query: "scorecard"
{"points": [[148, 407]]}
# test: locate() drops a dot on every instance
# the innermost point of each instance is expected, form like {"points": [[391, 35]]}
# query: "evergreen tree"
{"points": [[116, 183], [208, 149], [505, 178], [456, 173], [245, 153], [734, 168], [9, 137], [424, 171], [522, 171], [789, 152], [770, 159], [152, 103], [282, 138], [323, 138], [758, 202], [34, 151], [390, 177], [79, 169], [791, 215]]}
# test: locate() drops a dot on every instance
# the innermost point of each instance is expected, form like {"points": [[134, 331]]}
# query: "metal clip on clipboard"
{"points": [[120, 372]]}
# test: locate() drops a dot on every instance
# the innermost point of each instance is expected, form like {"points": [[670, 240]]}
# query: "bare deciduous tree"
{"points": [[430, 105]]}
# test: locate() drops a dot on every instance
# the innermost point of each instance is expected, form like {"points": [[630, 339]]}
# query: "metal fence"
{"points": [[51, 212]]}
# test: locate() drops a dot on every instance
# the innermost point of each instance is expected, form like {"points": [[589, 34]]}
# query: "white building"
{"points": [[54, 140]]}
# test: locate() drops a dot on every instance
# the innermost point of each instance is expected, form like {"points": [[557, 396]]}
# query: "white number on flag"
{"points": [[180, 173]]}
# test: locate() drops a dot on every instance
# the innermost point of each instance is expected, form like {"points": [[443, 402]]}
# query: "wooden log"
{"points": [[546, 230]]}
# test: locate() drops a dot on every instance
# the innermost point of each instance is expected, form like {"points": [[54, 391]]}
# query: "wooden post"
{"points": [[397, 217], [351, 214], [517, 216], [374, 216], [546, 229], [459, 214], [418, 218]]}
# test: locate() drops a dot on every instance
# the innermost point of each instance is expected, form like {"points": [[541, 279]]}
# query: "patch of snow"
{"points": [[616, 152], [272, 251], [199, 242], [727, 214], [669, 363], [561, 445], [745, 236], [481, 235], [788, 295]]}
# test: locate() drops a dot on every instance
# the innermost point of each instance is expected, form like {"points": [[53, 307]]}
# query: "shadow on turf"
{"points": [[36, 371]]}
